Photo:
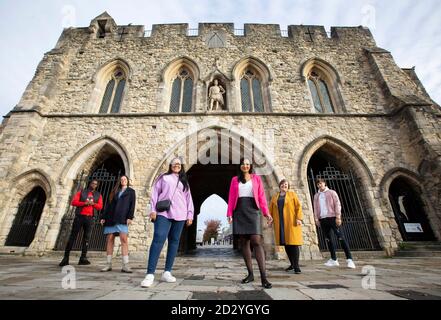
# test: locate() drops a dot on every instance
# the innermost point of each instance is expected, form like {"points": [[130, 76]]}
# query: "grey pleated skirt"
{"points": [[247, 217]]}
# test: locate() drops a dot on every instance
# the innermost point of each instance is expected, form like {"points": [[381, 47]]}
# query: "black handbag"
{"points": [[164, 205]]}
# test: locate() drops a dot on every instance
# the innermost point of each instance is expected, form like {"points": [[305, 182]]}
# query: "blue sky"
{"points": [[409, 29]]}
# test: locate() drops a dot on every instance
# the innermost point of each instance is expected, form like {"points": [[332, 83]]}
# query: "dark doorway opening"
{"points": [[205, 180], [26, 221], [409, 212]]}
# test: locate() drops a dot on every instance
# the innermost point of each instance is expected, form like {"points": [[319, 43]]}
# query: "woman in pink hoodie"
{"points": [[245, 199]]}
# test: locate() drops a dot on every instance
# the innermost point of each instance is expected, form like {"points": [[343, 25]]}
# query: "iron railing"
{"points": [[192, 32], [27, 218], [239, 32], [357, 225]]}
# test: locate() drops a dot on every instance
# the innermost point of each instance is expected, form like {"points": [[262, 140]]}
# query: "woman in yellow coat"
{"points": [[287, 213]]}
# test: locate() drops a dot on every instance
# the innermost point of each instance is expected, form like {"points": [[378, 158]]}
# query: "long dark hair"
{"points": [[182, 175], [240, 174], [118, 187]]}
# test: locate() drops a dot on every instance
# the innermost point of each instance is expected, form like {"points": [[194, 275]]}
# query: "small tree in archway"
{"points": [[212, 229]]}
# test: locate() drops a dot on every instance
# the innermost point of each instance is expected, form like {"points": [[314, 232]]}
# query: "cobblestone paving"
{"points": [[215, 273]]}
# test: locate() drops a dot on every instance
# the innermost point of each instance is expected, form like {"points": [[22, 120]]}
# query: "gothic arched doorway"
{"points": [[26, 221], [205, 180], [409, 211], [357, 224], [107, 167]]}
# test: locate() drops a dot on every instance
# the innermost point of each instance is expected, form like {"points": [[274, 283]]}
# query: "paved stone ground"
{"points": [[215, 273]]}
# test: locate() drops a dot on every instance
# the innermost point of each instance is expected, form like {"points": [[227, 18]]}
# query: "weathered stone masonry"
{"points": [[386, 125]]}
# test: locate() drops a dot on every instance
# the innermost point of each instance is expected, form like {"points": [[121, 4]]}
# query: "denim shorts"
{"points": [[118, 228]]}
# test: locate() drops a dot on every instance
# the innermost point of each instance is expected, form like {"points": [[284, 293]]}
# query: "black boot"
{"points": [[83, 261], [64, 262], [266, 284], [297, 270], [248, 279], [290, 268]]}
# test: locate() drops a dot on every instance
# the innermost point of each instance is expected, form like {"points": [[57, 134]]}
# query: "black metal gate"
{"points": [[357, 225], [26, 221], [97, 238]]}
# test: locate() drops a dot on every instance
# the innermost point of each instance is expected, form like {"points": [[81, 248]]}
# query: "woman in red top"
{"points": [[245, 199]]}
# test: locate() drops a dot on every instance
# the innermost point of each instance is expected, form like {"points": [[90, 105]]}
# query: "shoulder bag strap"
{"points": [[175, 190]]}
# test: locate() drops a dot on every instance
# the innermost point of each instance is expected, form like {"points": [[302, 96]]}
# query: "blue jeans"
{"points": [[164, 229]]}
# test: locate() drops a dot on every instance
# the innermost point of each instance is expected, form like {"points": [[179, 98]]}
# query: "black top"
{"points": [[120, 208]]}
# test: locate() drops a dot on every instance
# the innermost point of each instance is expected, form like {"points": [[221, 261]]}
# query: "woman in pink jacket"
{"points": [[246, 197]]}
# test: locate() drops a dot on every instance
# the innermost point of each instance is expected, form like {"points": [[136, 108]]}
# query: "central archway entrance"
{"points": [[205, 181], [211, 156]]}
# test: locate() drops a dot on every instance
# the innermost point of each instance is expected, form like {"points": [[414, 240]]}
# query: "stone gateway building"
{"points": [[302, 103]]}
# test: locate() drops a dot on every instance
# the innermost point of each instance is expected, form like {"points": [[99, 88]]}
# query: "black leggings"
{"points": [[293, 253], [255, 241]]}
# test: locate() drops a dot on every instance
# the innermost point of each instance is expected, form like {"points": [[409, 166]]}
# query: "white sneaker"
{"points": [[167, 277], [351, 264], [107, 268], [332, 263], [148, 280]]}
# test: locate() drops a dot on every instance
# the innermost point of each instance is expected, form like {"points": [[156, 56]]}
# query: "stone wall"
{"points": [[390, 124], [66, 141], [78, 58]]}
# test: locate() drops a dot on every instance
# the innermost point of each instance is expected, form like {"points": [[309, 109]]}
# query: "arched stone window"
{"points": [[320, 93], [181, 99], [111, 101], [180, 79], [251, 91], [252, 79], [323, 84], [111, 85]]}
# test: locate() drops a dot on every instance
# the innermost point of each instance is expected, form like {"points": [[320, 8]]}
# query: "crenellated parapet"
{"points": [[104, 27]]}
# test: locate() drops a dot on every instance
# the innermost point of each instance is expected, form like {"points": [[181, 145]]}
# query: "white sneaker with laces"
{"points": [[148, 280], [167, 277], [332, 263], [351, 264]]}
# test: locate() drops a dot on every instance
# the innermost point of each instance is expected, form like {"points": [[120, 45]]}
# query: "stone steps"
{"points": [[12, 250], [419, 249], [416, 254]]}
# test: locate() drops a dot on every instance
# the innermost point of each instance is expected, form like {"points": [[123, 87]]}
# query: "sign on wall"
{"points": [[413, 227]]}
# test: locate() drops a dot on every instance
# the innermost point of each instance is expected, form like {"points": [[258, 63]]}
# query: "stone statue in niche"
{"points": [[215, 94]]}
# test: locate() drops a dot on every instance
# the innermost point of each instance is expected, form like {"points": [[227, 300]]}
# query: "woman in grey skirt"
{"points": [[246, 198]]}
